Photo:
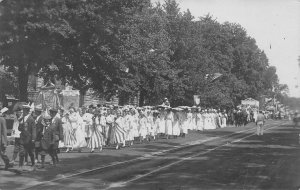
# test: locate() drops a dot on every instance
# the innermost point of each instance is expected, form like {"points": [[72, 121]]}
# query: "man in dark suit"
{"points": [[39, 130], [27, 136], [3, 138], [56, 125]]}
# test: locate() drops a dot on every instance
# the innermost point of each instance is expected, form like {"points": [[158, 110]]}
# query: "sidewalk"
{"points": [[74, 162]]}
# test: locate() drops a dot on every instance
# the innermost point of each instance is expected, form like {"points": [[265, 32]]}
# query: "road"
{"points": [[230, 159]]}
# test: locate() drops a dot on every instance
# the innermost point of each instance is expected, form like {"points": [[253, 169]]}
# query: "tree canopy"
{"points": [[133, 46]]}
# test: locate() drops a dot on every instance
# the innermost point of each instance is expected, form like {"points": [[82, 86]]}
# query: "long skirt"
{"points": [[143, 131], [176, 129], [117, 134], [96, 137], [224, 122], [129, 134], [162, 126], [69, 135], [80, 137], [135, 130], [184, 127], [169, 127]]}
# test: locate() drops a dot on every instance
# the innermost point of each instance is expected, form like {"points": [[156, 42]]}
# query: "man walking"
{"points": [[27, 136], [39, 131], [260, 123], [3, 138], [56, 125]]}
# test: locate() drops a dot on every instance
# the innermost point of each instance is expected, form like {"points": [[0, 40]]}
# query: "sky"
{"points": [[274, 24]]}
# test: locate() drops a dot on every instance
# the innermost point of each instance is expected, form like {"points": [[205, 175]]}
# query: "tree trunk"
{"points": [[142, 97], [23, 83], [81, 97]]}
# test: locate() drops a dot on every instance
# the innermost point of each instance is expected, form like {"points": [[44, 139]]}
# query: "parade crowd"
{"points": [[39, 132]]}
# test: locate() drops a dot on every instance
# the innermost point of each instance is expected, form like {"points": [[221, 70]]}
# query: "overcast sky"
{"points": [[274, 24]]}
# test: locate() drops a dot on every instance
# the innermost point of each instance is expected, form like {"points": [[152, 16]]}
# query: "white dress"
{"points": [[143, 127], [80, 133], [169, 123], [176, 127], [162, 124], [183, 123]]}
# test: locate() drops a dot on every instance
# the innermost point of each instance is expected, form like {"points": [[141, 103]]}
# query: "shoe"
{"points": [[92, 151], [100, 149]]}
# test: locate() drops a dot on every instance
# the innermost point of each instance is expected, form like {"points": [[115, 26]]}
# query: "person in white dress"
{"points": [[169, 118], [88, 122], [80, 132], [199, 120], [118, 133], [96, 137], [143, 126], [69, 137], [183, 123], [176, 123], [189, 119], [162, 124]]}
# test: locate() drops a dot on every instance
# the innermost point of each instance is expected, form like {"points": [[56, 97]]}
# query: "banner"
{"points": [[250, 102]]}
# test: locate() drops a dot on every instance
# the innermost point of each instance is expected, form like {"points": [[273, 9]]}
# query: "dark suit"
{"points": [[39, 129], [3, 140], [39, 134], [27, 138], [58, 129]]}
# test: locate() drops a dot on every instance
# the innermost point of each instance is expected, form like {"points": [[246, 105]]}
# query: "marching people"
{"points": [[48, 141], [39, 130], [15, 133], [117, 135], [56, 124], [27, 136], [79, 134], [3, 138], [96, 137], [260, 123], [69, 137], [94, 128]]}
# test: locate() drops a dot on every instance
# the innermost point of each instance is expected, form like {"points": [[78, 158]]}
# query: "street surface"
{"points": [[228, 158]]}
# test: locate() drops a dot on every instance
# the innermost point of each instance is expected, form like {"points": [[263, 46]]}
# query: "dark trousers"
{"points": [[29, 148], [3, 154]]}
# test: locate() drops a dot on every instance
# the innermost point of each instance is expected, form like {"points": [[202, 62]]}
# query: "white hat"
{"points": [[3, 110]]}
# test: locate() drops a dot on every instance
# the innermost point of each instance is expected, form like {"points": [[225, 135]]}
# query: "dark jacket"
{"points": [[28, 130], [58, 129], [3, 131], [39, 128], [48, 138]]}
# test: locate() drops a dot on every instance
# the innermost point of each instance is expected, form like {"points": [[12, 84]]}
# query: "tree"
{"points": [[25, 45]]}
